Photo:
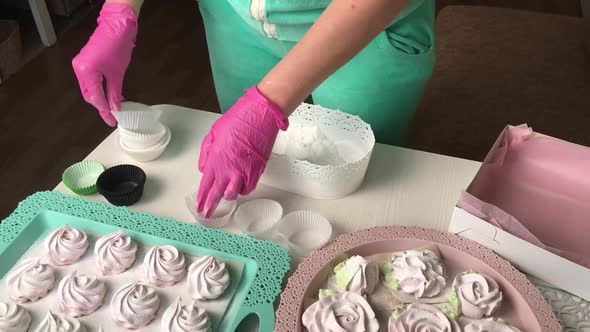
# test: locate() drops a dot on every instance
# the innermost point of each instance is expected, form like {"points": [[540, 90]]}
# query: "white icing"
{"points": [[347, 312], [80, 295], [185, 318], [66, 245], [13, 317], [419, 273], [164, 266], [30, 280], [114, 253], [422, 318], [208, 278], [486, 325], [134, 305], [55, 323], [479, 295]]}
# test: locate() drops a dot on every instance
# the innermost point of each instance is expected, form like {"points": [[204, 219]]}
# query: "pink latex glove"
{"points": [[106, 56], [235, 151]]}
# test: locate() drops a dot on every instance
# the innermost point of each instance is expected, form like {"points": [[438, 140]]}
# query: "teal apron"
{"points": [[382, 84]]}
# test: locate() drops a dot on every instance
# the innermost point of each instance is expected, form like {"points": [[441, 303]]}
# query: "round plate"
{"points": [[524, 306]]}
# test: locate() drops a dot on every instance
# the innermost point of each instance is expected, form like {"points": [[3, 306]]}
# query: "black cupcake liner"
{"points": [[122, 185]]}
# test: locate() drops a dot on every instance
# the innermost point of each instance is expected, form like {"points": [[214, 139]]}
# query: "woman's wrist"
{"points": [[284, 95], [135, 4]]}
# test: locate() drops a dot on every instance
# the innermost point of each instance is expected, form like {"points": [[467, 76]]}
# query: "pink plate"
{"points": [[523, 305]]}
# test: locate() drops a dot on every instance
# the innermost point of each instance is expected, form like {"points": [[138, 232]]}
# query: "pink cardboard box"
{"points": [[530, 203]]}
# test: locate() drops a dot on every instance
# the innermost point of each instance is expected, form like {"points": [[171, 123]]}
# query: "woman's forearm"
{"points": [[342, 31], [135, 4]]}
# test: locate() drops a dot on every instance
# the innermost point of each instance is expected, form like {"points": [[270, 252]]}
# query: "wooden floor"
{"points": [[46, 126]]}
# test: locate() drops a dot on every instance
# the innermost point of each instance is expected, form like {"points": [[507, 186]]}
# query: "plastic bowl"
{"points": [[258, 218], [220, 217], [305, 231], [150, 153], [143, 139], [122, 185]]}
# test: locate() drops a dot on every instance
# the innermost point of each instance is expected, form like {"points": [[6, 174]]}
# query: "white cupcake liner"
{"points": [[143, 139], [220, 217], [305, 231], [136, 116], [150, 153], [258, 218]]}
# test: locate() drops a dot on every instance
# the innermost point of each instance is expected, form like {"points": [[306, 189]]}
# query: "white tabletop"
{"points": [[403, 186]]}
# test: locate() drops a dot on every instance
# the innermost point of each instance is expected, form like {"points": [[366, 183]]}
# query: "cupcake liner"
{"points": [[143, 139], [258, 218], [81, 177], [150, 153], [122, 185], [305, 231], [220, 217], [136, 116]]}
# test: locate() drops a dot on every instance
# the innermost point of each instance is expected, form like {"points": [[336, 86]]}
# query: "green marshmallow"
{"points": [[453, 310], [344, 276]]}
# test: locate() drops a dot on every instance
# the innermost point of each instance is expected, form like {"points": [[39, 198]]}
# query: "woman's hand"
{"points": [[237, 148], [106, 57]]}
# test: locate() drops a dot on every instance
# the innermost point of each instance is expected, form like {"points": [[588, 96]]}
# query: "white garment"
{"points": [[257, 10]]}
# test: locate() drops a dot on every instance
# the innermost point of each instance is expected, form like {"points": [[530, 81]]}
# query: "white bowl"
{"points": [[305, 231], [137, 116], [258, 217], [150, 153], [143, 139], [220, 217], [354, 140]]}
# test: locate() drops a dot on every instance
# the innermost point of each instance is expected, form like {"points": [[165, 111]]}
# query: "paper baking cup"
{"points": [[220, 217], [150, 153], [81, 177], [258, 218], [305, 231], [136, 116], [143, 139], [122, 185]]}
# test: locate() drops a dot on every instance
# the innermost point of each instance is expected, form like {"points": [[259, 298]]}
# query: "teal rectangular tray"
{"points": [[265, 262]]}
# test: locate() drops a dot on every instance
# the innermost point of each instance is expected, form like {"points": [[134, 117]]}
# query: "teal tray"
{"points": [[265, 262]]}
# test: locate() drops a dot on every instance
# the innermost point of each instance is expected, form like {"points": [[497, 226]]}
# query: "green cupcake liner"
{"points": [[81, 177]]}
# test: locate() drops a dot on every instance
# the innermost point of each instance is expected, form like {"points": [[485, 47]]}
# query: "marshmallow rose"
{"points": [[347, 312], [422, 318], [357, 274], [417, 273], [479, 295]]}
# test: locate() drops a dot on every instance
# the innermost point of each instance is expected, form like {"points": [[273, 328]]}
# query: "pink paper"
{"points": [[537, 188]]}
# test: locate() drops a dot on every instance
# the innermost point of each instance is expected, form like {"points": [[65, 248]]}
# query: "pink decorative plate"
{"points": [[523, 305]]}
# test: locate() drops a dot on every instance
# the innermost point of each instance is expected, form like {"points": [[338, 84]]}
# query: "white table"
{"points": [[403, 187]]}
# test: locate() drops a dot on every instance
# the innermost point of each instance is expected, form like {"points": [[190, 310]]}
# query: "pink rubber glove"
{"points": [[235, 151], [106, 56]]}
